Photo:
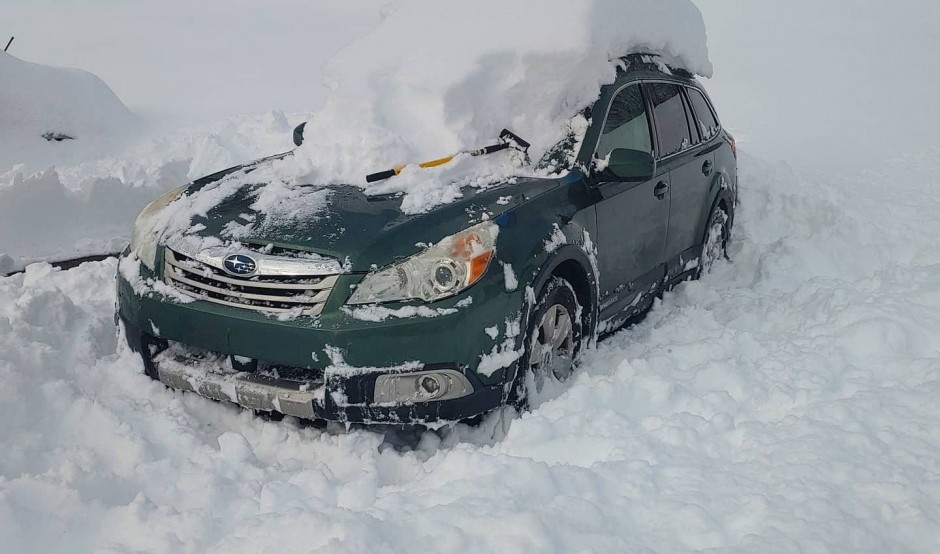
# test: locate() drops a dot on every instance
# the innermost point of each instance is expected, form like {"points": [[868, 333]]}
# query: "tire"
{"points": [[714, 246], [549, 359]]}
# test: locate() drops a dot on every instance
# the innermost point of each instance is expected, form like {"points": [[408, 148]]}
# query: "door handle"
{"points": [[661, 190], [707, 168]]}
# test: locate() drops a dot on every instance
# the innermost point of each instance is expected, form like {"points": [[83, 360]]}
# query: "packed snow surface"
{"points": [[787, 402]]}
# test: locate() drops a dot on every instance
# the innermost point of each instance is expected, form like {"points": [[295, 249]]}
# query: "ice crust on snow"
{"points": [[435, 78]]}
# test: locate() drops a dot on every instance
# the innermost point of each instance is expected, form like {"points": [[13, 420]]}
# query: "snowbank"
{"points": [[89, 208], [37, 100], [438, 77]]}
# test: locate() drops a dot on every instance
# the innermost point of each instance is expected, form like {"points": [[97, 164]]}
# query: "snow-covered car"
{"points": [[365, 313]]}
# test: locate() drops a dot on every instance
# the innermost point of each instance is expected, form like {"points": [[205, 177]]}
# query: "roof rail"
{"points": [[654, 62]]}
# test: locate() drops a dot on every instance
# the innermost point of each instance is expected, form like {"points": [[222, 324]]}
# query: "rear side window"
{"points": [[627, 125], [669, 113], [704, 117]]}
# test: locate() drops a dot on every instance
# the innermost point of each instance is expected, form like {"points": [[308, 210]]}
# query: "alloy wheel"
{"points": [[553, 347]]}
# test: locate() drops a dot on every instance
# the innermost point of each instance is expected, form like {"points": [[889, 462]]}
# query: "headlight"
{"points": [[146, 234], [442, 270]]}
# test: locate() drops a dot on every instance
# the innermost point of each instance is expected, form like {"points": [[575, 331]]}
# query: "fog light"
{"points": [[429, 385], [422, 386]]}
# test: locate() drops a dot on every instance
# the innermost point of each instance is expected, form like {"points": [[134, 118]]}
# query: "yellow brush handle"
{"points": [[437, 162], [432, 163], [397, 170]]}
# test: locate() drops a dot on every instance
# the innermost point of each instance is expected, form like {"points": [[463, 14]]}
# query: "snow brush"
{"points": [[507, 139]]}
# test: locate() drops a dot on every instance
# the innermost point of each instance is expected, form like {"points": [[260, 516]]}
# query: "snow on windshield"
{"points": [[436, 78]]}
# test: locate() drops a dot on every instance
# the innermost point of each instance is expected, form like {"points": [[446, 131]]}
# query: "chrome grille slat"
{"points": [[263, 293], [298, 299], [323, 283]]}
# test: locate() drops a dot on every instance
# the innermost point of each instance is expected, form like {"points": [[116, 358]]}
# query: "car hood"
{"points": [[342, 222]]}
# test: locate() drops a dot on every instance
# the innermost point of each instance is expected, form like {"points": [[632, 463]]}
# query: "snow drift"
{"points": [[436, 77], [37, 100]]}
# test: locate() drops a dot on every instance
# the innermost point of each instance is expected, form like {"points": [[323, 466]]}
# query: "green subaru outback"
{"points": [[365, 313]]}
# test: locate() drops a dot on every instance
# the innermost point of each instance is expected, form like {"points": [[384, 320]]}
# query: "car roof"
{"points": [[641, 66], [637, 67]]}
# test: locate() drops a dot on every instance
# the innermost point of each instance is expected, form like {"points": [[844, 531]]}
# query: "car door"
{"points": [[632, 217], [690, 164]]}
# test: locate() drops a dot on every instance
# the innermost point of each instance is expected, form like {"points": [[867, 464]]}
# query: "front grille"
{"points": [[274, 294]]}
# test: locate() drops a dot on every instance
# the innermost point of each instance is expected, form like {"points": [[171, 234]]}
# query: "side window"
{"points": [[669, 113], [697, 138], [704, 116], [627, 124]]}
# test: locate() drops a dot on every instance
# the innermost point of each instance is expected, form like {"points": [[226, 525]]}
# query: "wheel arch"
{"points": [[725, 201], [572, 263]]}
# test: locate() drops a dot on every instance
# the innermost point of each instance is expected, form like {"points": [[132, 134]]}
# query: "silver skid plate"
{"points": [[256, 392]]}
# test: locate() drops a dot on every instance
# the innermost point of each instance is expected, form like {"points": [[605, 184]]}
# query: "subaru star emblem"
{"points": [[239, 264]]}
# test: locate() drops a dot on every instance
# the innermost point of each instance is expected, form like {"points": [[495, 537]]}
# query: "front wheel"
{"points": [[552, 343], [716, 240]]}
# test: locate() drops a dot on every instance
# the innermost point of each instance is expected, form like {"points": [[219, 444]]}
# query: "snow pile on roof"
{"points": [[436, 77], [37, 100]]}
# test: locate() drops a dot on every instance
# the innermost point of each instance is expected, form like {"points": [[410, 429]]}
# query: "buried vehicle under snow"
{"points": [[353, 316]]}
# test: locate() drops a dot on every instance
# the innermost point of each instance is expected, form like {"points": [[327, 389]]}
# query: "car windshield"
{"points": [[562, 156]]}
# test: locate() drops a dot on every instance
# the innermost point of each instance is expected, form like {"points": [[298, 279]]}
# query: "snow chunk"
{"points": [[504, 354], [381, 313], [377, 313], [235, 447], [556, 240], [338, 365], [512, 283]]}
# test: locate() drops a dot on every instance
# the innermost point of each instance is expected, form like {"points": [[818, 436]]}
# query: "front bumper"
{"points": [[334, 359], [316, 398]]}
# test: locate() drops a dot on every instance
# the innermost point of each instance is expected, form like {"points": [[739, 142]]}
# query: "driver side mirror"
{"points": [[299, 134], [631, 165]]}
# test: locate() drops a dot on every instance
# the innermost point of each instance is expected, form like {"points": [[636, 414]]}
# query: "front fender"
{"points": [[569, 256]]}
